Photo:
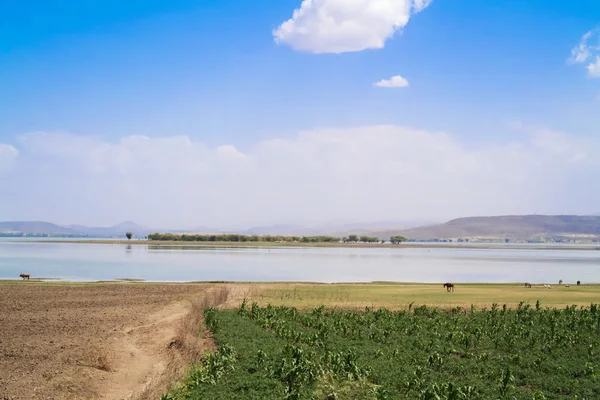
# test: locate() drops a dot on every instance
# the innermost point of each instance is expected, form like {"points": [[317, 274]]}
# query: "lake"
{"points": [[91, 262]]}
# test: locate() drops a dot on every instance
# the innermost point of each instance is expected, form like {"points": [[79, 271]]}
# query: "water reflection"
{"points": [[190, 263]]}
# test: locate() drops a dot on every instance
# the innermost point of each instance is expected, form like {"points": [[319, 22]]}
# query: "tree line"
{"points": [[233, 237]]}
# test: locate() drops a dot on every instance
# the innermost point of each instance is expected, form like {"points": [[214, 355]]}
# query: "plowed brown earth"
{"points": [[105, 341]]}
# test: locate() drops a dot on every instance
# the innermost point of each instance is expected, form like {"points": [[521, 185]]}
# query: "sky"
{"points": [[232, 114]]}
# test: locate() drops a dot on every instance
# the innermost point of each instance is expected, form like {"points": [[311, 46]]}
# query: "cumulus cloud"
{"points": [[588, 52], [339, 26], [394, 82], [594, 68], [359, 174], [7, 155]]}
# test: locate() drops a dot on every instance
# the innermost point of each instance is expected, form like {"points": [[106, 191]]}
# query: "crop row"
{"points": [[419, 353]]}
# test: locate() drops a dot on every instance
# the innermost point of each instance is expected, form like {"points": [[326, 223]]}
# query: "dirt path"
{"points": [[140, 352], [89, 341]]}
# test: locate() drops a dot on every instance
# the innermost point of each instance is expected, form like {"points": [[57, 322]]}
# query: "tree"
{"points": [[398, 239], [353, 238], [129, 235]]}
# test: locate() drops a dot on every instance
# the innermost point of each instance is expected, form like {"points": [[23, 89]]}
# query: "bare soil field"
{"points": [[98, 341]]}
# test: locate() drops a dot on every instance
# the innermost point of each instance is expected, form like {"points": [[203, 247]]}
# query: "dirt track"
{"points": [[87, 341]]}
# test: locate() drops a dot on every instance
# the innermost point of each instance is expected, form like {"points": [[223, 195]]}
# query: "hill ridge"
{"points": [[529, 227]]}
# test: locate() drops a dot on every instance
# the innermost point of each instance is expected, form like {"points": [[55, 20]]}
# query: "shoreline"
{"points": [[420, 245], [137, 281]]}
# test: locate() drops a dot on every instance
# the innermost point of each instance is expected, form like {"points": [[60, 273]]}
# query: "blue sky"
{"points": [[487, 76]]}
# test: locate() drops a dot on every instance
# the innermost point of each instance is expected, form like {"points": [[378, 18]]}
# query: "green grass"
{"points": [[417, 353], [396, 296]]}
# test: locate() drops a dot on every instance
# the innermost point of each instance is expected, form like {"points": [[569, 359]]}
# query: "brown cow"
{"points": [[449, 286], [527, 284], [24, 276]]}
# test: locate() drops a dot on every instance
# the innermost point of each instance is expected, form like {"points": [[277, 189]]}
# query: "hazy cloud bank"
{"points": [[360, 174]]}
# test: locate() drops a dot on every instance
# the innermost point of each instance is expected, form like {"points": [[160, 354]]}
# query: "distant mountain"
{"points": [[35, 227], [47, 228], [196, 230], [276, 230], [112, 231], [514, 227], [517, 227], [361, 228]]}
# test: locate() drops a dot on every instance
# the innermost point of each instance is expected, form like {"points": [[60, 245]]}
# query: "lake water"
{"points": [[91, 262]]}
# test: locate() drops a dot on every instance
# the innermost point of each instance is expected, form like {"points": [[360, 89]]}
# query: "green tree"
{"points": [[129, 235], [369, 239], [398, 239], [353, 238]]}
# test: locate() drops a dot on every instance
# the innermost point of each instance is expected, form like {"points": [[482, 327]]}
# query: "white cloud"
{"points": [[8, 154], [588, 52], [359, 174], [339, 26], [594, 68], [394, 82]]}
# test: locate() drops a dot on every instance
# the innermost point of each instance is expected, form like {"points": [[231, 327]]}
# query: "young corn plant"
{"points": [[505, 383]]}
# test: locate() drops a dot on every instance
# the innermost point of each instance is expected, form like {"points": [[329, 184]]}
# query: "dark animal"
{"points": [[449, 286], [24, 276], [527, 284], [560, 282], [578, 283]]}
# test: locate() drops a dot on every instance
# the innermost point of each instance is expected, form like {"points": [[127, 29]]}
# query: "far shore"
{"points": [[410, 245]]}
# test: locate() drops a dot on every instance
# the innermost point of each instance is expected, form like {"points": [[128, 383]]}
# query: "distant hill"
{"points": [[35, 227], [47, 228], [498, 228], [275, 230], [340, 230], [112, 231], [514, 227]]}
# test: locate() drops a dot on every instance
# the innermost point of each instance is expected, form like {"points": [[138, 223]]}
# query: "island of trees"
{"points": [[233, 237]]}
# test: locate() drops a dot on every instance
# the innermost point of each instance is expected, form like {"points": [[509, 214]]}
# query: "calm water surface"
{"points": [[90, 262]]}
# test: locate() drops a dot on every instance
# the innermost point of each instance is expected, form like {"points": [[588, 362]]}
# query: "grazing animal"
{"points": [[449, 286], [566, 285], [560, 282], [24, 276], [527, 284], [578, 283]]}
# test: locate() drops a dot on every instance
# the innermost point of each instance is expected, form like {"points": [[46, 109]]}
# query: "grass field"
{"points": [[399, 296], [390, 295], [421, 353]]}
